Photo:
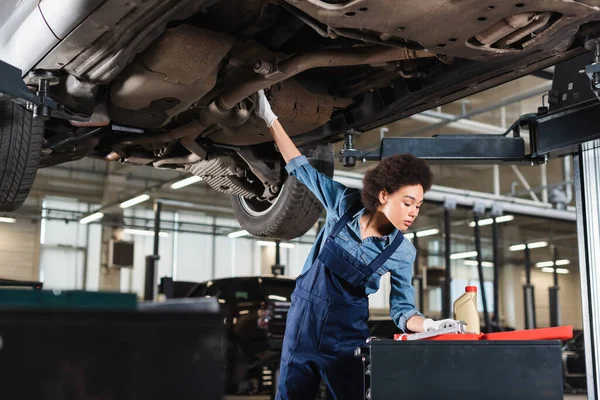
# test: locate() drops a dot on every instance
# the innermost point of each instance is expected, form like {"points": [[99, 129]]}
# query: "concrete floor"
{"points": [[567, 397]]}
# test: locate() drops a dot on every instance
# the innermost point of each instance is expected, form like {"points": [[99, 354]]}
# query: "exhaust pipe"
{"points": [[329, 58]]}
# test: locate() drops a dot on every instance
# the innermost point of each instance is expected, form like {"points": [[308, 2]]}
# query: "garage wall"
{"points": [[512, 281], [20, 250]]}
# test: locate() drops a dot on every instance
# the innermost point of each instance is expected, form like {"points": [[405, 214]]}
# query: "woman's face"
{"points": [[401, 207]]}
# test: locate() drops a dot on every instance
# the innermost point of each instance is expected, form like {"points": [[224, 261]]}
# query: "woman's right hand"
{"points": [[262, 108]]}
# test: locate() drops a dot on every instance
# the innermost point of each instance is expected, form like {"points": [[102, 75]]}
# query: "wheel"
{"points": [[20, 146], [293, 212]]}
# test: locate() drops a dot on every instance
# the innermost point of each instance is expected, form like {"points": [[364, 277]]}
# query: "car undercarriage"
{"points": [[170, 84]]}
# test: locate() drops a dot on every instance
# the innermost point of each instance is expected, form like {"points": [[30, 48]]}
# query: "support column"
{"points": [[478, 210], [151, 260], [449, 205], [496, 212], [528, 293], [417, 280], [553, 293], [587, 179], [278, 268]]}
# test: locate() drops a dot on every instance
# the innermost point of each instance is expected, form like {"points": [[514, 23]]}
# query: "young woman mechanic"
{"points": [[361, 241]]}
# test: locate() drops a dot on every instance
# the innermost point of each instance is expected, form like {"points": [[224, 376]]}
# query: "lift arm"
{"points": [[573, 118]]}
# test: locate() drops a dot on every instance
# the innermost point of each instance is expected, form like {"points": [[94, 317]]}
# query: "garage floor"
{"points": [[567, 397]]}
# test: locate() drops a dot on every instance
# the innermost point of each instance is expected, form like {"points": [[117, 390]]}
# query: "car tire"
{"points": [[295, 210], [20, 145]]}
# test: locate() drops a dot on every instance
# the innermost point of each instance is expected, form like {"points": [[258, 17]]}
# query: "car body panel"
{"points": [[24, 35]]}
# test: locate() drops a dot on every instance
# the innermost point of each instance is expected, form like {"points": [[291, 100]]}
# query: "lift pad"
{"points": [[450, 370]]}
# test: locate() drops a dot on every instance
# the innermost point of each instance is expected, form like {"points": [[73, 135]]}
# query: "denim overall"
{"points": [[327, 321]]}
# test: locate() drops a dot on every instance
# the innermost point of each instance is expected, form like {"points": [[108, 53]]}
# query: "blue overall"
{"points": [[327, 321]]}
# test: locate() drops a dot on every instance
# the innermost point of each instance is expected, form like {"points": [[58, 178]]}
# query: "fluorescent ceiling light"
{"points": [[238, 234], [558, 270], [483, 263], [143, 232], [185, 182], [551, 263], [489, 221], [428, 232], [275, 297], [136, 200], [535, 245], [91, 218], [466, 254], [8, 220], [265, 243]]}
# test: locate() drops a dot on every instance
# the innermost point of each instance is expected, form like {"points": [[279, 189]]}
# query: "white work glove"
{"points": [[431, 325], [262, 108]]}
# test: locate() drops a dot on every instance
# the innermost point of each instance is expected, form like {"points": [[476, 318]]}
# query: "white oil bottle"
{"points": [[465, 309]]}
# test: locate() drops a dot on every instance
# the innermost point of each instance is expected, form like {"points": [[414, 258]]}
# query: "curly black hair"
{"points": [[392, 174]]}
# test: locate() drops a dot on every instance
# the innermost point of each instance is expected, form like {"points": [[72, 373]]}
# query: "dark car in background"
{"points": [[573, 358], [255, 310]]}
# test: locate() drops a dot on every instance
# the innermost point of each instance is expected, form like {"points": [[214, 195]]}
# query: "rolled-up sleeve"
{"points": [[402, 294], [325, 189]]}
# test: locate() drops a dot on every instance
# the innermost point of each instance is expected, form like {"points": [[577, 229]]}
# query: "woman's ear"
{"points": [[383, 196]]}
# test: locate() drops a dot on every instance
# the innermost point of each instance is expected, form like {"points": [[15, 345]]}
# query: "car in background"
{"points": [[255, 311], [573, 361], [11, 283]]}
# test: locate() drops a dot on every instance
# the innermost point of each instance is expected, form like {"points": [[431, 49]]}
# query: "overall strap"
{"points": [[387, 253], [344, 220]]}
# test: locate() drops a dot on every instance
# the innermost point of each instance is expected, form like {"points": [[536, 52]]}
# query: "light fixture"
{"points": [[136, 200], [8, 220], [91, 218], [428, 232], [483, 263], [558, 270], [143, 232], [275, 297], [185, 182], [466, 254], [551, 263], [489, 221], [238, 234], [535, 245], [266, 243]]}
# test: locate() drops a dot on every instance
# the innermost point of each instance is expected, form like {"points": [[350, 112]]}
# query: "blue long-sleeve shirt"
{"points": [[335, 198]]}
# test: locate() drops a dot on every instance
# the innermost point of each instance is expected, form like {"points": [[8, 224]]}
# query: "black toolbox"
{"points": [[454, 370]]}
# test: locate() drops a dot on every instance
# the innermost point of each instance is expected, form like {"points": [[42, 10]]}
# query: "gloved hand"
{"points": [[431, 325], [262, 108]]}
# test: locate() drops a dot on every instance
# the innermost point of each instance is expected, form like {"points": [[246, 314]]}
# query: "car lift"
{"points": [[570, 125]]}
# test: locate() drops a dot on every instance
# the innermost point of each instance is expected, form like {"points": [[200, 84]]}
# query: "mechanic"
{"points": [[361, 241]]}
